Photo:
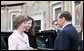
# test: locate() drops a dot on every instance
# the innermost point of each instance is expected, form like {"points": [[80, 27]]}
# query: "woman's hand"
{"points": [[35, 49], [31, 48]]}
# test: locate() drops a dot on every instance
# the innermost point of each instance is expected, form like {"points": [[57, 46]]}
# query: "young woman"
{"points": [[79, 12], [31, 33], [18, 40]]}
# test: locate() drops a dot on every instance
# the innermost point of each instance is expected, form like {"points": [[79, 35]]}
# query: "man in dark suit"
{"points": [[55, 28], [68, 36]]}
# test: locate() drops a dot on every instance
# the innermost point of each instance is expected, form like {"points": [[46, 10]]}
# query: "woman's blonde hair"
{"points": [[79, 12], [18, 20]]}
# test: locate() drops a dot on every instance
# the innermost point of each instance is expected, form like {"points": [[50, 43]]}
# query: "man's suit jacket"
{"points": [[67, 39], [32, 39]]}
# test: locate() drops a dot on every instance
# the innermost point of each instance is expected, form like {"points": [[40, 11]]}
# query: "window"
{"points": [[37, 25], [13, 16], [39, 21], [57, 11], [14, 11]]}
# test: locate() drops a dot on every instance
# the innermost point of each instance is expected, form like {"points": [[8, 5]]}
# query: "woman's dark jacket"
{"points": [[32, 40]]}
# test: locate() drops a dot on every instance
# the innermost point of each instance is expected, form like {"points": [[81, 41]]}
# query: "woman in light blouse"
{"points": [[18, 40], [79, 12]]}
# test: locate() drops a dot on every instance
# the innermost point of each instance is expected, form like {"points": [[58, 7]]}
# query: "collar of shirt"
{"points": [[18, 35], [23, 39], [82, 35], [65, 25]]}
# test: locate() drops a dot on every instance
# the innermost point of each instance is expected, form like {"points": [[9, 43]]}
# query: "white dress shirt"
{"points": [[65, 25], [17, 42]]}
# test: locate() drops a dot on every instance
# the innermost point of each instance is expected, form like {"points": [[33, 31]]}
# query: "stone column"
{"points": [[47, 16], [70, 7], [5, 22], [9, 20], [66, 6], [62, 4], [51, 16], [2, 18], [24, 10]]}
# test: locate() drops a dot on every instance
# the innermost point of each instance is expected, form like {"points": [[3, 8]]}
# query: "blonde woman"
{"points": [[18, 40], [79, 12]]}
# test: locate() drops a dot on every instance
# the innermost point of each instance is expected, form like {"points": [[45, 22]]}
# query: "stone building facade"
{"points": [[43, 12]]}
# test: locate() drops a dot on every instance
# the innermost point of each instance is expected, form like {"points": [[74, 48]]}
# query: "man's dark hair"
{"points": [[66, 15], [54, 21]]}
